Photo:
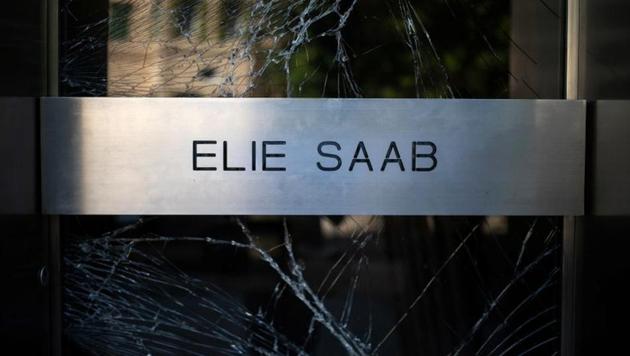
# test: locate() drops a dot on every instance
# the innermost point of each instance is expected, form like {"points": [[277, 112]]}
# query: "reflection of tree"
{"points": [[390, 52]]}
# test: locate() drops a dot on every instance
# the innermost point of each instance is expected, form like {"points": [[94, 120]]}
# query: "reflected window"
{"points": [[119, 20], [183, 13]]}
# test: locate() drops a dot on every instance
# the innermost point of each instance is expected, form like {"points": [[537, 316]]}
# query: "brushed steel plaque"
{"points": [[312, 156]]}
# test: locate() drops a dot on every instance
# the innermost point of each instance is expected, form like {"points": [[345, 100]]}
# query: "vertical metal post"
{"points": [[56, 301], [51, 18], [52, 47], [572, 241], [572, 247], [572, 49]]}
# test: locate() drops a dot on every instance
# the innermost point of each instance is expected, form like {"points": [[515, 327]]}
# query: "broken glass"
{"points": [[286, 48], [354, 285]]}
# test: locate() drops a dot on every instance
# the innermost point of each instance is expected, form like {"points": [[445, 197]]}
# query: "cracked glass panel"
{"points": [[307, 48], [353, 285]]}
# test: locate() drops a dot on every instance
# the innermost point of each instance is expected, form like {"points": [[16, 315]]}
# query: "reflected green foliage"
{"points": [[471, 40]]}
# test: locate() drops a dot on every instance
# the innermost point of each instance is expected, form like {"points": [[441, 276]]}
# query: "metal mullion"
{"points": [[52, 230], [572, 241]]}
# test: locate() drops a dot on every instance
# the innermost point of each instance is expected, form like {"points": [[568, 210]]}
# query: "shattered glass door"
{"points": [[328, 285]]}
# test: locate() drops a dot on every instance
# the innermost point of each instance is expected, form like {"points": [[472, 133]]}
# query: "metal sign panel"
{"points": [[312, 156]]}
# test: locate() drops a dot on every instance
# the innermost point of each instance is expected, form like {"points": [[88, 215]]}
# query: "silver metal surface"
{"points": [[610, 153], [135, 156], [19, 181]]}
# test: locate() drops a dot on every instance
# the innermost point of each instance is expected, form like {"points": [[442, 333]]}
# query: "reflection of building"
{"points": [[176, 48]]}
